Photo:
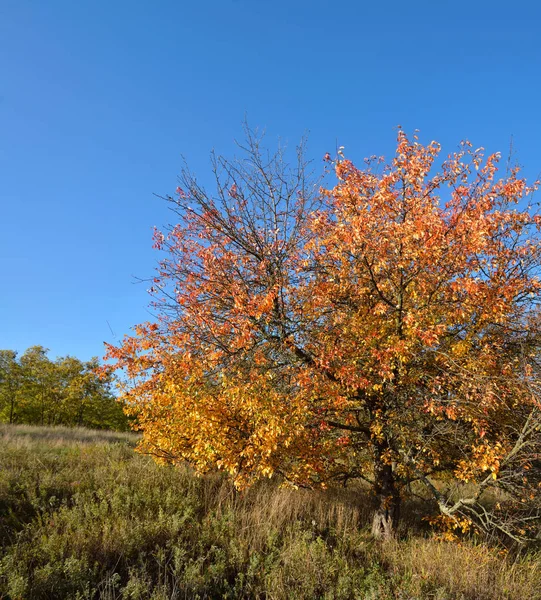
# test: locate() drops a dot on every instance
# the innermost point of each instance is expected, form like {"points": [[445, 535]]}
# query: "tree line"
{"points": [[67, 391]]}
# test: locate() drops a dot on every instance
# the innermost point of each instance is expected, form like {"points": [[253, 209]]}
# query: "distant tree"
{"points": [[385, 329], [96, 405], [67, 391], [39, 393], [10, 381]]}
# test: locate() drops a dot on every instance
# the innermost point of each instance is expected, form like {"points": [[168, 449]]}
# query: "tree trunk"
{"points": [[11, 404], [387, 512]]}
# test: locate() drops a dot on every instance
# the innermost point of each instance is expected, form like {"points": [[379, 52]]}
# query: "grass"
{"points": [[84, 517]]}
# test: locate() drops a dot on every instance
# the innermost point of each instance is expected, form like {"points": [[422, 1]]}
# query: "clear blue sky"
{"points": [[99, 100]]}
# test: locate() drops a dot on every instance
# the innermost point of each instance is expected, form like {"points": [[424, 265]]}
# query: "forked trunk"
{"points": [[387, 494]]}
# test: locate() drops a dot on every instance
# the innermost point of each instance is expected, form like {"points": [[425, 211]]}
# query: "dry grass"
{"points": [[29, 435], [466, 570]]}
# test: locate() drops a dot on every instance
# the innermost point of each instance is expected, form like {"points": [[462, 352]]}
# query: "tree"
{"points": [[39, 391], [385, 329], [9, 384], [93, 402], [66, 391]]}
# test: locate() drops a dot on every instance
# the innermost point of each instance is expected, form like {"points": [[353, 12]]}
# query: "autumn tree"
{"points": [[384, 329]]}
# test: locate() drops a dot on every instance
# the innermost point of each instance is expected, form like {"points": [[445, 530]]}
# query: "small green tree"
{"points": [[38, 390], [10, 382]]}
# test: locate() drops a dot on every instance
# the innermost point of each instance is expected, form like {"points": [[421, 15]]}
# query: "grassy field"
{"points": [[84, 517]]}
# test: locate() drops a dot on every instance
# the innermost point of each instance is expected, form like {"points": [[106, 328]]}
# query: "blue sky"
{"points": [[99, 100]]}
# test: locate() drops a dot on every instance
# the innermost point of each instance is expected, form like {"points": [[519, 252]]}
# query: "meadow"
{"points": [[83, 516]]}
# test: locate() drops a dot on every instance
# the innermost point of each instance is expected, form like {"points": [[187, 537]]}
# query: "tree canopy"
{"points": [[67, 391], [385, 328]]}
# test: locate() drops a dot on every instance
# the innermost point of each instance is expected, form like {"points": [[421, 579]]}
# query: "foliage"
{"points": [[385, 329], [84, 517], [67, 391]]}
